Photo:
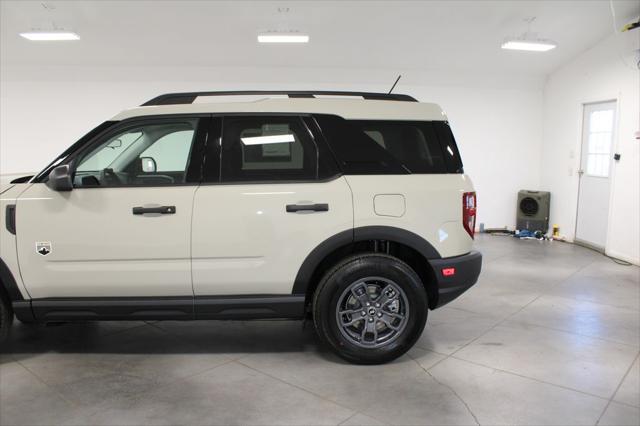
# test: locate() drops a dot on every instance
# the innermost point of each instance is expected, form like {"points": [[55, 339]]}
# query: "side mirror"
{"points": [[60, 179], [148, 164]]}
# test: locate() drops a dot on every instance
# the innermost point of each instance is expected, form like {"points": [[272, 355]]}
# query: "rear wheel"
{"points": [[6, 317], [370, 308]]}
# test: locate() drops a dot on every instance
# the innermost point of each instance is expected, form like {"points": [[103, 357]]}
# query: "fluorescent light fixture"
{"points": [[529, 45], [264, 140], [50, 35], [283, 38]]}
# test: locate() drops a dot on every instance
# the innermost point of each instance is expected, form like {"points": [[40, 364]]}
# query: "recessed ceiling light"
{"points": [[283, 38], [50, 35], [529, 45]]}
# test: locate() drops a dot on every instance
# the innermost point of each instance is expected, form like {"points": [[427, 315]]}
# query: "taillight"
{"points": [[469, 212]]}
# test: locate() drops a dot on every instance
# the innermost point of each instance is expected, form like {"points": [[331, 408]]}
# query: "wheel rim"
{"points": [[372, 312]]}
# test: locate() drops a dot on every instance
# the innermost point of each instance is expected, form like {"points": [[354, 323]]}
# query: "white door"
{"points": [[594, 174], [103, 238], [253, 230]]}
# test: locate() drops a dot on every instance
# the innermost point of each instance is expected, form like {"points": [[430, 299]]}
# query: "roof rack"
{"points": [[189, 97]]}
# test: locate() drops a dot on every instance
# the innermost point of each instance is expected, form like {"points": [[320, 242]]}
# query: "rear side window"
{"points": [[449, 147], [267, 149], [414, 144], [356, 152], [391, 147]]}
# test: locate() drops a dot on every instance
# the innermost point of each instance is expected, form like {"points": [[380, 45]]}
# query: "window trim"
{"points": [[199, 139]]}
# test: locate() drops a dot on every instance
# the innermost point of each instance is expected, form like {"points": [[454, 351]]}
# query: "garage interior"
{"points": [[549, 335]]}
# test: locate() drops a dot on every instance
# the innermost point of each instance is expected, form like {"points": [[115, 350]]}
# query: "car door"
{"points": [[123, 231], [269, 198]]}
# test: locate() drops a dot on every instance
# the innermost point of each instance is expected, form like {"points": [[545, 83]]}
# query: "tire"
{"points": [[6, 318], [341, 314]]}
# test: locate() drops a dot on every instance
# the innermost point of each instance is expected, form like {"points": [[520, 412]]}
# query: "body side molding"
{"points": [[364, 233], [167, 308]]}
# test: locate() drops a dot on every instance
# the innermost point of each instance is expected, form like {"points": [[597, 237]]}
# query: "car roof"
{"points": [[348, 108]]}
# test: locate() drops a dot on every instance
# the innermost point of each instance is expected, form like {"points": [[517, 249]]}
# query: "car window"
{"points": [[414, 144], [171, 152], [146, 155], [449, 147], [107, 153], [267, 149]]}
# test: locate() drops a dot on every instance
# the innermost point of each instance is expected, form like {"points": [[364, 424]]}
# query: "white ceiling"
{"points": [[451, 36]]}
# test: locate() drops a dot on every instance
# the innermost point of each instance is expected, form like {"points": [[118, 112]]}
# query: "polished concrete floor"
{"points": [[549, 336]]}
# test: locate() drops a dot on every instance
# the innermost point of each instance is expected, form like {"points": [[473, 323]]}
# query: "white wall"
{"points": [[606, 71], [498, 128]]}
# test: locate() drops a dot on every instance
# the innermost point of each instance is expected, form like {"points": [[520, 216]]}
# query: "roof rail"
{"points": [[189, 97]]}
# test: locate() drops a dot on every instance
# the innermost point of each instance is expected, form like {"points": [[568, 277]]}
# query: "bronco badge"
{"points": [[43, 248]]}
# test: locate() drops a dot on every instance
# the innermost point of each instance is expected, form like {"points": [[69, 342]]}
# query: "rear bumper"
{"points": [[467, 269]]}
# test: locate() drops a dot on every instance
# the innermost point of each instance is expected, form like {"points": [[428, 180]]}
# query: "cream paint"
{"points": [[98, 247], [433, 204], [244, 241]]}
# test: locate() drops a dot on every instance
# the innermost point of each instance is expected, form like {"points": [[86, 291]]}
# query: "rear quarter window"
{"points": [[413, 144], [391, 147]]}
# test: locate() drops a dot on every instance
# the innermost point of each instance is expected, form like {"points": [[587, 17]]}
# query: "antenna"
{"points": [[394, 84]]}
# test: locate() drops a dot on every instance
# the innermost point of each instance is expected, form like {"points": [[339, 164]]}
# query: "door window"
{"points": [[267, 149], [145, 155], [600, 135]]}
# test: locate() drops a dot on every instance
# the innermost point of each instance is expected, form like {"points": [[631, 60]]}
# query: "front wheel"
{"points": [[370, 308]]}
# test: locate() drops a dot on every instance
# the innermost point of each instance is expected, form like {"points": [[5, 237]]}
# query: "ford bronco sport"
{"points": [[350, 208]]}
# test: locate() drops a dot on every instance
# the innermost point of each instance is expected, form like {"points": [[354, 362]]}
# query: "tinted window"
{"points": [[147, 154], [391, 147], [356, 152], [449, 147], [414, 144], [267, 149]]}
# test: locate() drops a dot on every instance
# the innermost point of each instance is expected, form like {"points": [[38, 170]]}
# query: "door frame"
{"points": [[612, 171]]}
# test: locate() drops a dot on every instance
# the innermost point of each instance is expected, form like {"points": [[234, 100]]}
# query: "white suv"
{"points": [[348, 207]]}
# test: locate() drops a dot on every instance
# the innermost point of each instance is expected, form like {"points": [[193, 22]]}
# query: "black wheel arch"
{"points": [[8, 286], [405, 245]]}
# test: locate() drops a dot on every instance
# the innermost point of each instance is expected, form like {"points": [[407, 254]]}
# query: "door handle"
{"points": [[160, 210], [322, 207]]}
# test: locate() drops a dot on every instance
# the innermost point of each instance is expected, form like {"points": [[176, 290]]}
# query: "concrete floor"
{"points": [[550, 335]]}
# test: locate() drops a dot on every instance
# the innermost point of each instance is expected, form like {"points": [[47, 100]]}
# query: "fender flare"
{"points": [[8, 283], [364, 233]]}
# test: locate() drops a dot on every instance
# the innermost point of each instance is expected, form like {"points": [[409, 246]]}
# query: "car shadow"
{"points": [[234, 338]]}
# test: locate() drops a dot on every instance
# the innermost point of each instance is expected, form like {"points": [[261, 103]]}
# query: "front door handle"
{"points": [[322, 207], [160, 210]]}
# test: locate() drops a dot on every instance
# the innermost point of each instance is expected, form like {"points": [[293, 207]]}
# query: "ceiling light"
{"points": [[264, 140], [283, 38], [529, 45], [50, 35]]}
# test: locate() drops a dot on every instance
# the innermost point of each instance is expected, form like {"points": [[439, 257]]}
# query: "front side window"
{"points": [[145, 155], [267, 149]]}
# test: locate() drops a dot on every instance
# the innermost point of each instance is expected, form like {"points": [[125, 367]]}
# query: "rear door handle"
{"points": [[160, 210], [322, 207]]}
